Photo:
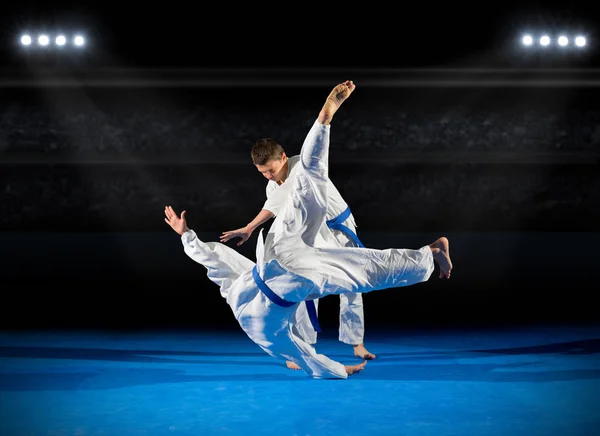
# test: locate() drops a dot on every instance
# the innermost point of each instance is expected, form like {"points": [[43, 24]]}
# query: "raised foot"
{"points": [[335, 99], [341, 92]]}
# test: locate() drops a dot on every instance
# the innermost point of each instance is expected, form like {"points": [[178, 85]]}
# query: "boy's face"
{"points": [[274, 169]]}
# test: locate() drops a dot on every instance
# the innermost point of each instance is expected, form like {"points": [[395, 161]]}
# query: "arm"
{"points": [[276, 197], [263, 216], [224, 264], [244, 232]]}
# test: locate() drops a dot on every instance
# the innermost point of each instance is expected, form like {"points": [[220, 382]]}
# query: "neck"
{"points": [[285, 174]]}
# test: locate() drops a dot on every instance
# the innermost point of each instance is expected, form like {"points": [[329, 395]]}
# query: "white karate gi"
{"points": [[352, 315], [300, 260]]}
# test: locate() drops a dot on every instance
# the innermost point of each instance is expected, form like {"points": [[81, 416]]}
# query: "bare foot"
{"points": [[361, 351], [441, 254], [291, 365], [353, 369], [336, 97]]}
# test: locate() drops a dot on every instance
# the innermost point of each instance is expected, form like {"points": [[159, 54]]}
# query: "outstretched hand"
{"points": [[177, 223], [242, 233]]}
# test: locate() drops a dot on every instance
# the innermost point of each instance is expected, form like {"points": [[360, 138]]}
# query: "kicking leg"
{"points": [[315, 153], [342, 270], [304, 212]]}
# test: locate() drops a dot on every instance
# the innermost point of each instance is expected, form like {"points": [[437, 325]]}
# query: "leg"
{"points": [[318, 365], [298, 354], [303, 329], [302, 326], [352, 314], [291, 239], [314, 158], [343, 270], [303, 213], [351, 319], [352, 324]]}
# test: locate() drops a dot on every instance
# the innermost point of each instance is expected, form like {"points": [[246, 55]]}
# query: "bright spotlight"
{"points": [[60, 40], [580, 41], [25, 39], [43, 40], [79, 40], [527, 40], [545, 40], [563, 40]]}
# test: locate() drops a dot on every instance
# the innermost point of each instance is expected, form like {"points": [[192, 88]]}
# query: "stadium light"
{"points": [[43, 40], [563, 40], [49, 40], [79, 40]]}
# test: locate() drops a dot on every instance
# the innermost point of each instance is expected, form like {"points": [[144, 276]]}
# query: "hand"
{"points": [[177, 223], [242, 233]]}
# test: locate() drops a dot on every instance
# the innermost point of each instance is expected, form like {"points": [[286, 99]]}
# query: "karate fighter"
{"points": [[298, 261], [270, 159]]}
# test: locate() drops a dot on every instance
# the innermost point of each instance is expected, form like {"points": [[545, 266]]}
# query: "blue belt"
{"points": [[310, 305], [336, 224]]}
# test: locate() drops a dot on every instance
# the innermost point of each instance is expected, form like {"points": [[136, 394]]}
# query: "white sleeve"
{"points": [[223, 263]]}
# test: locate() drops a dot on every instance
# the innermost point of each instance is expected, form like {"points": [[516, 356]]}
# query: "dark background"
{"points": [[454, 130]]}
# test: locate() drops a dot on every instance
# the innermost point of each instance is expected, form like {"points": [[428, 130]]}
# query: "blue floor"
{"points": [[535, 380]]}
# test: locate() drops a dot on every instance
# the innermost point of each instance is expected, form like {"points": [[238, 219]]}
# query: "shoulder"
{"points": [[293, 160]]}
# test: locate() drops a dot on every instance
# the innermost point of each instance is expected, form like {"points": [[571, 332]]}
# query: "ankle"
{"points": [[325, 117]]}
